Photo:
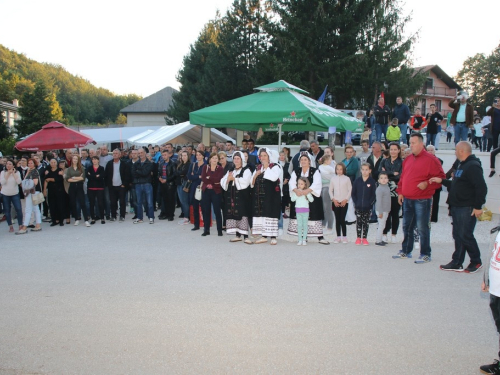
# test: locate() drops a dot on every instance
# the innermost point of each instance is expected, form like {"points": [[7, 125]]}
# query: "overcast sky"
{"points": [[138, 46]]}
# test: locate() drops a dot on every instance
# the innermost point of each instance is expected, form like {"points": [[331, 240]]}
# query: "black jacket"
{"points": [[381, 114], [125, 173], [375, 166], [468, 188], [94, 182], [141, 172], [171, 172], [363, 193]]}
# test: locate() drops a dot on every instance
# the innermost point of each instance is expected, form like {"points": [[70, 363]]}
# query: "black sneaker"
{"points": [[381, 243], [135, 217], [452, 267], [473, 268], [494, 368]]}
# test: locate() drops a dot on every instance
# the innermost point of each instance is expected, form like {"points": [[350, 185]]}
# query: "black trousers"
{"points": [[209, 199], [362, 222], [76, 194], [117, 193], [493, 156], [393, 217], [435, 206], [57, 205], [93, 195], [340, 224], [168, 199], [495, 311]]}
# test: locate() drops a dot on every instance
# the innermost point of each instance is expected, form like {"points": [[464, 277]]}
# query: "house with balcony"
{"points": [[10, 112], [439, 88]]}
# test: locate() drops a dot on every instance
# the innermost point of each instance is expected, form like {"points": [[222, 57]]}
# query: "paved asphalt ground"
{"points": [[159, 299]]}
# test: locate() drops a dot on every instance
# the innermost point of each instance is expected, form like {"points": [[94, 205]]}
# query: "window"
{"points": [[438, 105], [429, 83]]}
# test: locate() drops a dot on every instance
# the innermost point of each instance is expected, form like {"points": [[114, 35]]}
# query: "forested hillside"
{"points": [[80, 101]]}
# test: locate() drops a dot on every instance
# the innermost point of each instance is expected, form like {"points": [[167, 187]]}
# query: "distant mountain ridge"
{"points": [[81, 102]]}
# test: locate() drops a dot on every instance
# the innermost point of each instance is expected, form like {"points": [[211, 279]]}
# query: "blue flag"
{"points": [[322, 97]]}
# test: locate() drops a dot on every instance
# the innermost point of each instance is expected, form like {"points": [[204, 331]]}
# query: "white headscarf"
{"points": [[242, 156], [274, 155]]}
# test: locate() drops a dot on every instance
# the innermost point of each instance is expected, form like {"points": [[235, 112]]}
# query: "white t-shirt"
{"points": [[479, 130], [494, 271]]}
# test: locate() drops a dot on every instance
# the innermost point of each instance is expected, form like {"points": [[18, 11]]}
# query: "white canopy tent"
{"points": [[115, 135], [179, 134]]}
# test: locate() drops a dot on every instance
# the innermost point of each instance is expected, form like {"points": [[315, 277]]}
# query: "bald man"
{"points": [[467, 194]]}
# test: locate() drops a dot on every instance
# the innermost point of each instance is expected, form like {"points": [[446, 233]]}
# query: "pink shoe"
{"points": [[358, 241], [364, 242], [337, 240], [344, 240]]}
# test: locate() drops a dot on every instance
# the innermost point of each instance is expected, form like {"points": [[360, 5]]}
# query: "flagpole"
{"points": [[279, 137]]}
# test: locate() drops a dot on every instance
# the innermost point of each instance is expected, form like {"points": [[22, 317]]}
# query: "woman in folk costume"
{"points": [[316, 216], [267, 181], [236, 184]]}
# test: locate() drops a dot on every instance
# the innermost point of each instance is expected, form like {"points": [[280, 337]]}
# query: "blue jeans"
{"points": [[417, 213], [144, 191], [463, 234], [403, 128], [184, 198], [381, 129], [431, 139], [16, 202], [461, 132]]}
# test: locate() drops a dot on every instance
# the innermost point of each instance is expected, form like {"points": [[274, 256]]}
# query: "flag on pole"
{"points": [[322, 97]]}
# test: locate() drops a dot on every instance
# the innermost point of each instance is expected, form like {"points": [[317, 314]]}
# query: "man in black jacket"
{"points": [[141, 175], [402, 113], [117, 180], [166, 177], [467, 194], [381, 113]]}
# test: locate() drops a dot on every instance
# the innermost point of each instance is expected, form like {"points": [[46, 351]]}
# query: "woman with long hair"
{"points": [[67, 205], [340, 192], [10, 178], [30, 207], [75, 175], [327, 171], [54, 191], [211, 176], [194, 175], [181, 172], [393, 165], [95, 189], [285, 199]]}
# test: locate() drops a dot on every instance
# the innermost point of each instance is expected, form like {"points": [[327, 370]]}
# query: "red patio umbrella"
{"points": [[54, 136]]}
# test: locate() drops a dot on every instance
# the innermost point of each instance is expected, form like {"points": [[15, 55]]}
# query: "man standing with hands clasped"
{"points": [[415, 194], [467, 194]]}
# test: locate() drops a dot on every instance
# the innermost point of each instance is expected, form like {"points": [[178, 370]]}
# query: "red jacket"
{"points": [[417, 169]]}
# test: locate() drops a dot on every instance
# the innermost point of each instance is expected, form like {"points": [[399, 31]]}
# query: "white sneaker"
{"points": [[344, 240], [416, 245], [77, 222], [299, 243], [184, 222], [87, 224], [394, 239], [304, 243], [151, 221], [384, 239], [337, 240]]}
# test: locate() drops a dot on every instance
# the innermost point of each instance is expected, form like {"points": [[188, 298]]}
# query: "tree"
{"points": [[37, 109], [121, 119], [223, 63], [479, 76], [354, 46], [4, 128]]}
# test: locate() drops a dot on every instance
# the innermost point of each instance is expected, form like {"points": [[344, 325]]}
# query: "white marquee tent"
{"points": [[178, 134], [116, 135]]}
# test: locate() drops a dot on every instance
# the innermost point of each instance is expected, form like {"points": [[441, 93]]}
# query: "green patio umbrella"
{"points": [[278, 105]]}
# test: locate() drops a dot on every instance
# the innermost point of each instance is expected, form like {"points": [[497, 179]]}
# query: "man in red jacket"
{"points": [[415, 194]]}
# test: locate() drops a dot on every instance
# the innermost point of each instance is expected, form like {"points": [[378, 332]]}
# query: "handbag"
{"points": [[37, 198], [197, 193], [186, 186]]}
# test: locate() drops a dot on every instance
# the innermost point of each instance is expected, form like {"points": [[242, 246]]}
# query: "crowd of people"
{"points": [[248, 191]]}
